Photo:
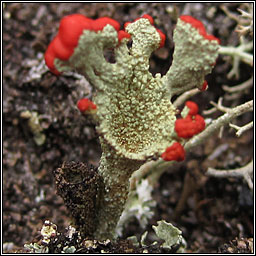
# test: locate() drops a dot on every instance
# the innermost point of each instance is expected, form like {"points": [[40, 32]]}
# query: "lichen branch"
{"points": [[244, 172], [154, 169], [239, 51], [241, 130], [185, 96], [219, 106], [240, 87]]}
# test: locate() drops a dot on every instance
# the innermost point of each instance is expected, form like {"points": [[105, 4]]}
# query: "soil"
{"points": [[217, 210]]}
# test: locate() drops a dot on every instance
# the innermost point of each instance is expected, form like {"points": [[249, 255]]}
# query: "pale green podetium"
{"points": [[135, 117]]}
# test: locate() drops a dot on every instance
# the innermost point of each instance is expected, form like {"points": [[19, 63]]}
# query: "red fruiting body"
{"points": [[190, 125], [122, 34], [71, 27], [100, 23], [162, 36], [86, 105], [199, 120], [204, 86], [50, 57], [175, 152], [70, 30], [193, 108], [199, 26]]}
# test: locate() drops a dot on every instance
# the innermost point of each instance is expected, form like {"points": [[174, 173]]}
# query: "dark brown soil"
{"points": [[218, 210]]}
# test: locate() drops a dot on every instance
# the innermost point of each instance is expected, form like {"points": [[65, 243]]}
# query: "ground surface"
{"points": [[217, 210]]}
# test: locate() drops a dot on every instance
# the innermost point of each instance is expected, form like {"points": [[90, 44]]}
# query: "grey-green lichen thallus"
{"points": [[135, 117]]}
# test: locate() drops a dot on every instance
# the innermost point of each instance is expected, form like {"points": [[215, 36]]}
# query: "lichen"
{"points": [[170, 234], [140, 205], [35, 126], [135, 117]]}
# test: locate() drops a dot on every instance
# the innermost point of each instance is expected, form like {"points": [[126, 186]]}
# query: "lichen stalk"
{"points": [[116, 171]]}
